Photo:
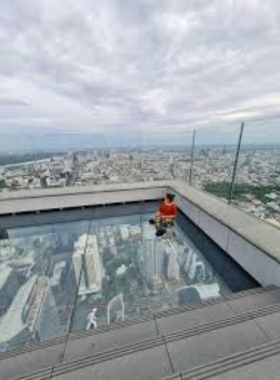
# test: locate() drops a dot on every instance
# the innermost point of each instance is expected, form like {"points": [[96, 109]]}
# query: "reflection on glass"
{"points": [[257, 181], [140, 273], [257, 188], [37, 287]]}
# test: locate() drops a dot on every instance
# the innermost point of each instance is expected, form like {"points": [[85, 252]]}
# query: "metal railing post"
{"points": [[236, 164], [192, 157]]}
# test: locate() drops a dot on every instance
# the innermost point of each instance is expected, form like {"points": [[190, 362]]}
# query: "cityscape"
{"points": [[87, 274], [257, 189]]}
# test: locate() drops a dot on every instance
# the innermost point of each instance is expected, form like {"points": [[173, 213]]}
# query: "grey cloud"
{"points": [[140, 63], [13, 103]]}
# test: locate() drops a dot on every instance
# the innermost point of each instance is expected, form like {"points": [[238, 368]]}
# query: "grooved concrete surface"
{"points": [[255, 301], [204, 348], [30, 361], [151, 364], [266, 369], [270, 325], [194, 318], [109, 340], [160, 360]]}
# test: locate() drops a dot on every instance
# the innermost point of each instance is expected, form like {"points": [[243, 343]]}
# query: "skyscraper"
{"points": [[87, 265], [14, 329], [152, 257], [48, 323], [173, 268]]}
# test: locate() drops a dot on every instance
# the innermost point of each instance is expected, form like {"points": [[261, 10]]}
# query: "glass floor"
{"points": [[83, 275]]}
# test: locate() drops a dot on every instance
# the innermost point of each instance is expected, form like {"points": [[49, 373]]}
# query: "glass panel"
{"points": [[166, 154], [111, 287], [127, 271], [214, 159], [37, 282], [257, 188], [175, 271], [72, 160]]}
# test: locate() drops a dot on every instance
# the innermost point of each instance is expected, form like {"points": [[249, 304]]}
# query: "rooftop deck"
{"points": [[183, 342]]}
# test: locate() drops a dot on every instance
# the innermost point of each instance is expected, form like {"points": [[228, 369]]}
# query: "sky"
{"points": [[141, 67]]}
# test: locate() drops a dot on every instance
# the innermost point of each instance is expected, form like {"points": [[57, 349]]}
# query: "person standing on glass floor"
{"points": [[165, 217]]}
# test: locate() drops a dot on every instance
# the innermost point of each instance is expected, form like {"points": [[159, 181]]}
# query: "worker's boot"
{"points": [[160, 232]]}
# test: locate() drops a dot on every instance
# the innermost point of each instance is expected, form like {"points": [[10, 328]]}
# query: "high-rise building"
{"points": [[115, 309], [153, 255], [87, 265], [57, 280], [124, 232], [9, 286], [48, 322], [3, 234], [14, 329], [79, 248], [173, 268]]}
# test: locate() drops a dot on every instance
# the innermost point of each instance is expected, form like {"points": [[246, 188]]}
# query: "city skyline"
{"points": [[257, 187], [135, 68]]}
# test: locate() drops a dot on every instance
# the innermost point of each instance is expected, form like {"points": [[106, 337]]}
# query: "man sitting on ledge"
{"points": [[165, 216]]}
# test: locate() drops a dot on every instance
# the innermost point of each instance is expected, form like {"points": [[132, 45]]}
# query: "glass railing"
{"points": [[169, 154], [214, 154], [257, 184], [38, 286], [205, 158]]}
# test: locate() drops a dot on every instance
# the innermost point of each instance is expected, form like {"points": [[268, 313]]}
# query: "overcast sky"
{"points": [[149, 65]]}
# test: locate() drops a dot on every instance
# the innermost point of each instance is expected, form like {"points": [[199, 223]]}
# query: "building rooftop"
{"points": [[12, 323], [4, 274]]}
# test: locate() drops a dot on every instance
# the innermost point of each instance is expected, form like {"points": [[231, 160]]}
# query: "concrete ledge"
{"points": [[213, 228], [39, 193], [261, 264], [251, 242], [253, 230], [55, 199]]}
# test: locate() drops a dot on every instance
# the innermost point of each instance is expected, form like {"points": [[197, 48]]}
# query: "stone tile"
{"points": [[152, 364], [29, 362], [202, 349], [271, 325], [193, 318], [267, 369], [109, 340], [255, 301]]}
